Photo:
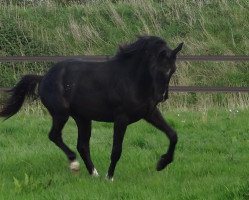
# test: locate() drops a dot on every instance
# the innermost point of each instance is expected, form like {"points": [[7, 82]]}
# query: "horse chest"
{"points": [[136, 112]]}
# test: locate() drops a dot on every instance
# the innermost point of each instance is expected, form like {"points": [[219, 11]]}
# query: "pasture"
{"points": [[212, 154], [211, 159]]}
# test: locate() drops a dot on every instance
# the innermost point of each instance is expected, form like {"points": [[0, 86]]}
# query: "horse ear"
{"points": [[177, 49]]}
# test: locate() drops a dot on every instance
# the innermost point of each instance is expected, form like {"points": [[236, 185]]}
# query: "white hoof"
{"points": [[108, 178], [74, 165], [95, 173]]}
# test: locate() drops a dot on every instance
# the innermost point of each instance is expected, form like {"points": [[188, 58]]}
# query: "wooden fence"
{"points": [[190, 58]]}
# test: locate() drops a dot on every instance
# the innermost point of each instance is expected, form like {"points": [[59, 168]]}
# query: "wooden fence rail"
{"points": [[206, 89], [222, 58]]}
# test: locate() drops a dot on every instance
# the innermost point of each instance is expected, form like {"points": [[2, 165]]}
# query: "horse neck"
{"points": [[137, 69], [139, 73]]}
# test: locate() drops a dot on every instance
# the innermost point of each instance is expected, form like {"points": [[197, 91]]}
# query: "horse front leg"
{"points": [[157, 120], [120, 125]]}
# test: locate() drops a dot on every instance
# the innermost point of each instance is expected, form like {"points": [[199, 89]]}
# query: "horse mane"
{"points": [[138, 47]]}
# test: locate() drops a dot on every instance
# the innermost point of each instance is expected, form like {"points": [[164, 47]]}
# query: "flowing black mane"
{"points": [[139, 47]]}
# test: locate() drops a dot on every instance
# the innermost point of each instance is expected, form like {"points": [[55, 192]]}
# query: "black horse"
{"points": [[122, 89]]}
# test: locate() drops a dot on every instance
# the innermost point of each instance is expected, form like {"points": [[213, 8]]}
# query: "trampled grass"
{"points": [[211, 160]]}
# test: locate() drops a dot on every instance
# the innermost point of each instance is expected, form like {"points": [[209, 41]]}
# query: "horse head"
{"points": [[162, 68]]}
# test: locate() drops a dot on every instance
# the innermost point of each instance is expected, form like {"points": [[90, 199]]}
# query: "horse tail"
{"points": [[25, 87]]}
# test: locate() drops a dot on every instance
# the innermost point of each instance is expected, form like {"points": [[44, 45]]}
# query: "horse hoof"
{"points": [[74, 165], [95, 173], [163, 162], [109, 178], [160, 165]]}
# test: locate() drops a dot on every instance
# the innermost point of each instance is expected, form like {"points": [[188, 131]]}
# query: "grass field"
{"points": [[97, 27], [211, 160]]}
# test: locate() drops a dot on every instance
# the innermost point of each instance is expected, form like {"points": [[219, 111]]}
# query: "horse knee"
{"points": [[173, 138], [54, 138], [51, 137], [82, 148]]}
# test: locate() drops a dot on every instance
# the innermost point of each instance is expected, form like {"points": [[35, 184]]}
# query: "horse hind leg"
{"points": [[55, 135], [83, 144]]}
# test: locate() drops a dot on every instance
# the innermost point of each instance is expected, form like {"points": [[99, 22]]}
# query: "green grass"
{"points": [[211, 159]]}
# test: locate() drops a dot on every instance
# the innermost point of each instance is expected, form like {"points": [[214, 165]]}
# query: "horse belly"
{"points": [[92, 109]]}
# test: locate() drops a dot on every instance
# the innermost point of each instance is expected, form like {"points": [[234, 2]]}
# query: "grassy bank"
{"points": [[99, 26], [211, 160]]}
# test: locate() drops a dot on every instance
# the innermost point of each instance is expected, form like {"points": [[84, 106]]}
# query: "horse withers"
{"points": [[123, 89]]}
